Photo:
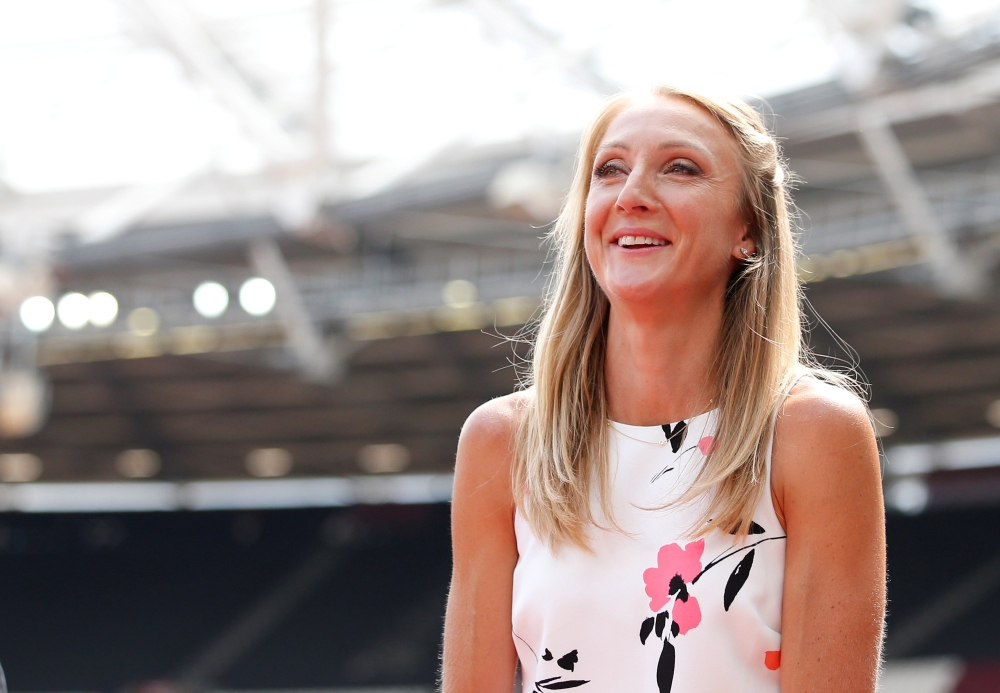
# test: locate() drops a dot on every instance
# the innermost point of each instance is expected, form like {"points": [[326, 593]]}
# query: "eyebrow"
{"points": [[672, 144]]}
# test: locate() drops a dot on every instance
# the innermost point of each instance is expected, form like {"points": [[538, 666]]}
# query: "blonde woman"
{"points": [[679, 501]]}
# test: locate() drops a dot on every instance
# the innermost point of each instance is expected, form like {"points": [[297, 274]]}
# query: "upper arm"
{"points": [[826, 483], [479, 652]]}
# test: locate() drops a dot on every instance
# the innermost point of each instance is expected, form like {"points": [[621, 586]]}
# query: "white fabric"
{"points": [[577, 615]]}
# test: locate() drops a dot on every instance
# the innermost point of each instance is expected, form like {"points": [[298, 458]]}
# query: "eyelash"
{"points": [[606, 169], [683, 167]]}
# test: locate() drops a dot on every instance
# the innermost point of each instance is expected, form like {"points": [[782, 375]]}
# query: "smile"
{"points": [[634, 241]]}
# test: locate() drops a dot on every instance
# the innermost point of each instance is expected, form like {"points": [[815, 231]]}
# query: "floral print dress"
{"points": [[652, 610]]}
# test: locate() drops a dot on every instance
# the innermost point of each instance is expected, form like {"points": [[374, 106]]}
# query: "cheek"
{"points": [[595, 216], [592, 251], [595, 213]]}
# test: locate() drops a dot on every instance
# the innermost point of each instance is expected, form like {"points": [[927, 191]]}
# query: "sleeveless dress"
{"points": [[652, 610]]}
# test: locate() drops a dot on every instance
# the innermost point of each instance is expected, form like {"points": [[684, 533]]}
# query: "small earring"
{"points": [[746, 253]]}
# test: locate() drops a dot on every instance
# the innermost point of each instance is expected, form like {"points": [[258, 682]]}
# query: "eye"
{"points": [[609, 168], [683, 166]]}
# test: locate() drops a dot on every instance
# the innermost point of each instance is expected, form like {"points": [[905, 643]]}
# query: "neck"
{"points": [[659, 364]]}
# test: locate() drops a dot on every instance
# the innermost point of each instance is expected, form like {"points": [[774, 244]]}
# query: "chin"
{"points": [[641, 291]]}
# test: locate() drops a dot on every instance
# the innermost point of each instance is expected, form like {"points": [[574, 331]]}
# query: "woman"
{"points": [[739, 547]]}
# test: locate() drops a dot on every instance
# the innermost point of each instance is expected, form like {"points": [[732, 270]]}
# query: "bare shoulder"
{"points": [[495, 422], [486, 445], [824, 447], [820, 412]]}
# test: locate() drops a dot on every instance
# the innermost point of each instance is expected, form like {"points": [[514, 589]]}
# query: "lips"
{"points": [[638, 238]]}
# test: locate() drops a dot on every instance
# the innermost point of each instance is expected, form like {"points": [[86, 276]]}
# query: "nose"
{"points": [[636, 195]]}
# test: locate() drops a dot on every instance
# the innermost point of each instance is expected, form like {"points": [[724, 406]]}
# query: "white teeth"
{"points": [[639, 240]]}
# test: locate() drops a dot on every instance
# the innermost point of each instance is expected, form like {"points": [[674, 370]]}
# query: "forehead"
{"points": [[671, 120]]}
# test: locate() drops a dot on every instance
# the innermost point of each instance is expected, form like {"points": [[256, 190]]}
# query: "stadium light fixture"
{"points": [[103, 308], [73, 310], [143, 322], [210, 299], [138, 463], [384, 458], [19, 467], [37, 313], [257, 296], [459, 293], [269, 462]]}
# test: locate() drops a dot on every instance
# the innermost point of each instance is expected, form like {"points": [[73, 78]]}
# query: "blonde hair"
{"points": [[561, 447]]}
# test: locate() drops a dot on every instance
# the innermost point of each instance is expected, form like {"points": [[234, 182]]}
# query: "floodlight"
{"points": [[103, 308], [257, 296], [143, 322], [269, 462], [19, 467], [459, 293], [211, 299], [73, 310], [37, 313]]}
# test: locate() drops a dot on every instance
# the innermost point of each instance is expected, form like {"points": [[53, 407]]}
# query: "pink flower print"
{"points": [[671, 562], [687, 615], [706, 445]]}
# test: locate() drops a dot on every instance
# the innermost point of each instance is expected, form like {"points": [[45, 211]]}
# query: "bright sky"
{"points": [[89, 97]]}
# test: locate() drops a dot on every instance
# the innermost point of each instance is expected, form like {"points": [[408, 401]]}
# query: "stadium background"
{"points": [[260, 260]]}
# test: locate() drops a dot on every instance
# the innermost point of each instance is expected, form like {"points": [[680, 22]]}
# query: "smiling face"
{"points": [[663, 216]]}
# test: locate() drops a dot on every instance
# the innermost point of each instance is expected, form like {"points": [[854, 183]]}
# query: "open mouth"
{"points": [[640, 241]]}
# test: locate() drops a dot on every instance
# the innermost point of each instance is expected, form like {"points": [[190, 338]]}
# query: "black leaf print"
{"points": [[677, 435], [675, 629], [547, 656], [665, 667], [568, 660], [736, 581], [661, 620], [645, 629], [754, 529], [560, 685]]}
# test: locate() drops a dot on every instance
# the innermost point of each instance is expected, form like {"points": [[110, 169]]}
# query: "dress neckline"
{"points": [[656, 434]]}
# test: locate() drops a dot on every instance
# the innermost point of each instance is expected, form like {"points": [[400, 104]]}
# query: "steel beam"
{"points": [[980, 87], [185, 37], [512, 18], [321, 116], [124, 208], [952, 273], [315, 357]]}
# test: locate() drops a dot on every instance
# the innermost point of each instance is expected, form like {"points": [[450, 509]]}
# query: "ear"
{"points": [[745, 243]]}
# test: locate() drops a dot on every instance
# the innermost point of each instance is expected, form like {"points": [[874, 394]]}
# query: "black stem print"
{"points": [[735, 551], [661, 621], [665, 667], [670, 469], [661, 473]]}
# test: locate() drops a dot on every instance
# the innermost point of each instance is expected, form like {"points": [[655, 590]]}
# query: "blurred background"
{"points": [[259, 259]]}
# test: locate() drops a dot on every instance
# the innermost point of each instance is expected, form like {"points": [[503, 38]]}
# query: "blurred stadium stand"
{"points": [[147, 544]]}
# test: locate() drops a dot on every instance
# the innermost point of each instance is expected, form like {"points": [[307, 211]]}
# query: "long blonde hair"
{"points": [[561, 447]]}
